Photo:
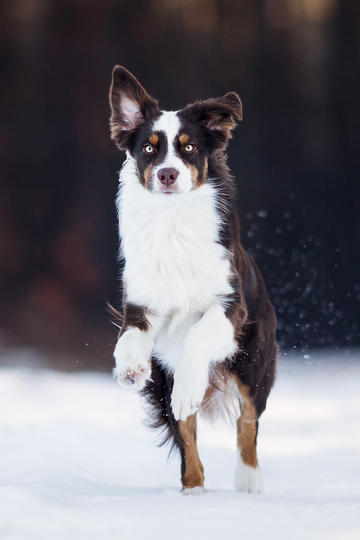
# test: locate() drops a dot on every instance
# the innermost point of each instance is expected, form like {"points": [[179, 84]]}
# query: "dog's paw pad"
{"points": [[132, 377]]}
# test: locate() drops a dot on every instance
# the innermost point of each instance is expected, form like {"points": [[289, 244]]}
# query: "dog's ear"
{"points": [[130, 106], [217, 115]]}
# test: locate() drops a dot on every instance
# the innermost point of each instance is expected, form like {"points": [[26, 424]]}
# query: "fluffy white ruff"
{"points": [[197, 490], [247, 478], [173, 261]]}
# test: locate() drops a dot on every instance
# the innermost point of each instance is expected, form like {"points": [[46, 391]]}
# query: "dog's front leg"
{"points": [[211, 339], [134, 349]]}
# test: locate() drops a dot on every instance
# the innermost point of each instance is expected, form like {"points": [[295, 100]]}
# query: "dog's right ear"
{"points": [[130, 106]]}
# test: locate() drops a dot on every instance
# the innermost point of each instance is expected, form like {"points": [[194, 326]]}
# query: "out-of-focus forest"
{"points": [[295, 64]]}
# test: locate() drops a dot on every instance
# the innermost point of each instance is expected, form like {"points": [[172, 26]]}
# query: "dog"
{"points": [[198, 329]]}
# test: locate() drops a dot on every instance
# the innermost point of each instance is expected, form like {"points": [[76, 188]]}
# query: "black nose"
{"points": [[167, 176]]}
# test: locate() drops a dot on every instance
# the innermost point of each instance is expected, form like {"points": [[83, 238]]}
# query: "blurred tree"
{"points": [[295, 156]]}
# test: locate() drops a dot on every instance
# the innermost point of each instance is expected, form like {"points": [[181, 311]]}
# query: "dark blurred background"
{"points": [[295, 64]]}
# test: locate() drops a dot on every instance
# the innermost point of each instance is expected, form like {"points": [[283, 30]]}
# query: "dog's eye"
{"points": [[148, 149], [189, 148]]}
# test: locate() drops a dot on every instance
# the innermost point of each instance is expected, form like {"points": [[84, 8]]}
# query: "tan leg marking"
{"points": [[194, 471], [246, 428]]}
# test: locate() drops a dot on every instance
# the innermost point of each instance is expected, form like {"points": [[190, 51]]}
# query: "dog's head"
{"points": [[171, 149]]}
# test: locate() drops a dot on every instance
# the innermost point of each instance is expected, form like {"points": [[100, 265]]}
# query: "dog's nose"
{"points": [[167, 176]]}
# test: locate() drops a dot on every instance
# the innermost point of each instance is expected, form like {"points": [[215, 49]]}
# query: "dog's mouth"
{"points": [[168, 191]]}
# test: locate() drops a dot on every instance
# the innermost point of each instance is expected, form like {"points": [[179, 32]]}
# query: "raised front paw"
{"points": [[135, 377], [132, 356], [188, 393]]}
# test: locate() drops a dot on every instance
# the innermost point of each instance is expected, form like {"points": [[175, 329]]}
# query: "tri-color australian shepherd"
{"points": [[198, 329]]}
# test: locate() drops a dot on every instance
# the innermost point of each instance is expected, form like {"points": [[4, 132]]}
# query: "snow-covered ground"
{"points": [[76, 461]]}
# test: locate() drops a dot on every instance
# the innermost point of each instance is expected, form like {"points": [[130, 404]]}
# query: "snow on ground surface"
{"points": [[76, 461]]}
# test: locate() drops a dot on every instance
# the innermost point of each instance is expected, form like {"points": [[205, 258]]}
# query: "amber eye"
{"points": [[189, 148], [148, 149]]}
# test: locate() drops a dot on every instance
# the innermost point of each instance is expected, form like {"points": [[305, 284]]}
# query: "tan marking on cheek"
{"points": [[194, 471], [140, 176], [194, 175], [147, 174], [205, 173], [154, 139], [184, 139]]}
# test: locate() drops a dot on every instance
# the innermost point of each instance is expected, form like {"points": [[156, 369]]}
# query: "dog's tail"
{"points": [[117, 318]]}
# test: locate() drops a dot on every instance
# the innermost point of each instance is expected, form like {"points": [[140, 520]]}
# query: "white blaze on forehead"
{"points": [[169, 124]]}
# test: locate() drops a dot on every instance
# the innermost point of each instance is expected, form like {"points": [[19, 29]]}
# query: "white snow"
{"points": [[76, 461]]}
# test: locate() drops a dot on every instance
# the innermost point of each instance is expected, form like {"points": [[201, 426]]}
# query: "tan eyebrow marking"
{"points": [[184, 138], [154, 139]]}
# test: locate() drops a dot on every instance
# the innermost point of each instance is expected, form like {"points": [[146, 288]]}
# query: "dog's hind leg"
{"points": [[180, 434], [247, 474], [192, 471]]}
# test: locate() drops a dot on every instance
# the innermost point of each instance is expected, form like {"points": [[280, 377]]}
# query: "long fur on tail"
{"points": [[157, 393], [117, 317]]}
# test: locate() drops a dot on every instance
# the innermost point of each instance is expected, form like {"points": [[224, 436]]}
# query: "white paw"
{"points": [[247, 479], [132, 356], [197, 490], [188, 392]]}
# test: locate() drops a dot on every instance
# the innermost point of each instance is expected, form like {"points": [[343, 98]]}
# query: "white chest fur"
{"points": [[175, 267], [173, 261]]}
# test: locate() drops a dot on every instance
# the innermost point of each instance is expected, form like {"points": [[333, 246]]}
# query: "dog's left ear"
{"points": [[130, 104], [217, 115]]}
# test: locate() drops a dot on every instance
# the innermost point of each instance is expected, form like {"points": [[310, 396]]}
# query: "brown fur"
{"points": [[246, 441], [193, 474], [247, 427], [184, 139], [197, 178], [147, 174], [205, 171], [117, 316], [134, 316], [154, 139], [194, 175], [217, 115], [145, 177]]}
